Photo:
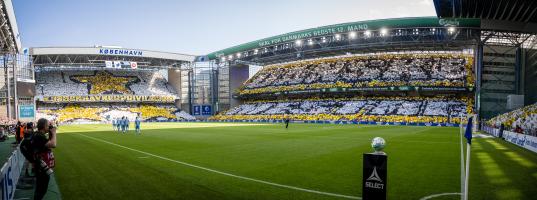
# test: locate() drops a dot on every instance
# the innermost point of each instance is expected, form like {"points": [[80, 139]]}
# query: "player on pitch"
{"points": [[286, 120], [137, 124]]}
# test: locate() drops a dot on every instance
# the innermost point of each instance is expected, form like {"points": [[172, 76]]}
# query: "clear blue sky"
{"points": [[190, 26]]}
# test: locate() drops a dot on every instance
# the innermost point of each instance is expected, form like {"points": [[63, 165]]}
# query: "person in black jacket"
{"points": [[17, 133], [286, 120], [43, 141]]}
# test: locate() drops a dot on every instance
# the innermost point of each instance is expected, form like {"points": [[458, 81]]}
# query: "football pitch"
{"points": [[266, 161]]}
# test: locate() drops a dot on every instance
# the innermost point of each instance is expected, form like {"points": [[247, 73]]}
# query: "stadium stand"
{"points": [[95, 83], [522, 120], [104, 112], [7, 122], [379, 70], [58, 83], [378, 109], [387, 69]]}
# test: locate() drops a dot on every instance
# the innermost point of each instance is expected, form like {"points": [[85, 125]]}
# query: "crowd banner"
{"points": [[11, 171], [109, 98]]}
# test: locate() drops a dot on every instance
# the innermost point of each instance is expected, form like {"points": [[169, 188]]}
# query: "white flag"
{"points": [[117, 64]]}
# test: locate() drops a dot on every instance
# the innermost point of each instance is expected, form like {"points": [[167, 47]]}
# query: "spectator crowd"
{"points": [[105, 112], [384, 70], [101, 82], [522, 120], [378, 109], [82, 83]]}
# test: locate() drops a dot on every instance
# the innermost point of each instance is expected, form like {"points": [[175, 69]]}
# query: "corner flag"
{"points": [[468, 136], [468, 133]]}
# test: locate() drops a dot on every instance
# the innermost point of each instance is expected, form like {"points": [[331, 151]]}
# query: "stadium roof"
{"points": [[508, 10], [415, 22], [97, 57], [110, 51], [510, 15], [9, 31]]}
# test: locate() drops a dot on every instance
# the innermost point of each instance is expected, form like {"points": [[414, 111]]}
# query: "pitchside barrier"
{"points": [[525, 141], [10, 174]]}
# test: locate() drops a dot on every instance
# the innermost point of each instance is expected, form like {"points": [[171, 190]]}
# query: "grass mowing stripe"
{"points": [[225, 173]]}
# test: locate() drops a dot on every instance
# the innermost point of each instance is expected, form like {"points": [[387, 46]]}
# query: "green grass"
{"points": [[422, 161]]}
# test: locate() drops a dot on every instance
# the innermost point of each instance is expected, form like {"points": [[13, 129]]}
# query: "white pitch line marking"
{"points": [[225, 173], [439, 195]]}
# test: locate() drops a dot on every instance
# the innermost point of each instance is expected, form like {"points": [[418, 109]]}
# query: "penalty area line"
{"points": [[225, 173]]}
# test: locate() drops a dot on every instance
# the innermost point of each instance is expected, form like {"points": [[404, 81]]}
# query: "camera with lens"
{"points": [[44, 167]]}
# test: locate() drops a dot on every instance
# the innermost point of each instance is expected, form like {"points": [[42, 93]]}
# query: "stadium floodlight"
{"points": [[352, 35], [383, 31], [230, 57], [337, 36], [451, 30], [323, 39], [310, 42], [367, 33], [255, 51], [433, 30], [298, 42], [239, 55]]}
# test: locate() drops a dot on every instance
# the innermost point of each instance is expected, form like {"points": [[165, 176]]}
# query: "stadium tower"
{"points": [[17, 76], [505, 51], [101, 83]]}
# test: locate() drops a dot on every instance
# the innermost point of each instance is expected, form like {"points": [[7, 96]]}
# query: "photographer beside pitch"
{"points": [[37, 149]]}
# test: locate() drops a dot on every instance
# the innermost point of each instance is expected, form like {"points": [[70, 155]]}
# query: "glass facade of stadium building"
{"points": [[196, 87], [506, 72], [530, 73], [212, 85], [17, 87], [206, 89]]}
